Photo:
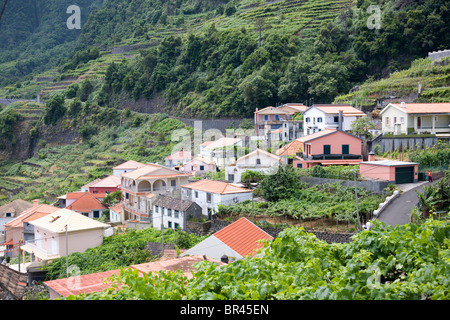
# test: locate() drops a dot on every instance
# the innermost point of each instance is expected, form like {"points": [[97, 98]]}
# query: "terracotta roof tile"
{"points": [[31, 214], [243, 237], [86, 203], [431, 108], [108, 182], [130, 164], [213, 186]]}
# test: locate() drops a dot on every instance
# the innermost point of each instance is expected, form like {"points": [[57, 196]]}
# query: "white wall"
{"points": [[163, 214], [213, 248]]}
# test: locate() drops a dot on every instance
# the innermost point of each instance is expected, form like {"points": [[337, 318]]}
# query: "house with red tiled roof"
{"points": [[270, 119], [108, 184], [97, 282], [405, 118], [20, 229], [326, 147], [178, 158], [87, 205], [209, 194], [127, 166], [332, 116], [240, 239]]}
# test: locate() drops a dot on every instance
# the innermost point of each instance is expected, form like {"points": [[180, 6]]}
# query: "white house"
{"points": [[404, 118], [208, 194], [173, 213], [331, 116], [258, 160]]}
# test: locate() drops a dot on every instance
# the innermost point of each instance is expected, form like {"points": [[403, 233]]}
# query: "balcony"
{"points": [[331, 156], [31, 247]]}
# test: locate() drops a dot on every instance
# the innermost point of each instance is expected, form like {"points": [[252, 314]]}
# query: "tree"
{"points": [[281, 184], [54, 108], [361, 127]]}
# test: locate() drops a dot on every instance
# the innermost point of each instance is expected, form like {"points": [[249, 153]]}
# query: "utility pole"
{"points": [[162, 231], [67, 254], [356, 200]]}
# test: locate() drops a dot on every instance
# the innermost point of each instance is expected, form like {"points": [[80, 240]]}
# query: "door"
{"points": [[404, 175], [326, 149], [345, 149], [419, 123]]}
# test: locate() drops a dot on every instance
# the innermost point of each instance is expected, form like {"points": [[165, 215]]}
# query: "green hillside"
{"points": [[432, 77]]}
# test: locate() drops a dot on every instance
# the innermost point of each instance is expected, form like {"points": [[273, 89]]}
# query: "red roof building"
{"points": [[235, 241]]}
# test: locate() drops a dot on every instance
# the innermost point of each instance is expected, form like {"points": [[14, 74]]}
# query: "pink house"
{"points": [[326, 147], [390, 170]]}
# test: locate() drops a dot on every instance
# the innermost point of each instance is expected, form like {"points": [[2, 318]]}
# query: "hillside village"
{"points": [[231, 150], [189, 191]]}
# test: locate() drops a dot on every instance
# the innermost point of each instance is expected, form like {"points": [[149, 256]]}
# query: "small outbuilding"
{"points": [[397, 172]]}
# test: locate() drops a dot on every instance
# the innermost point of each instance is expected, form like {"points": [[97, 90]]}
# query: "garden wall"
{"points": [[373, 186]]}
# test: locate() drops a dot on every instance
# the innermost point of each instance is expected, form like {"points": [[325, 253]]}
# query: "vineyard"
{"points": [[408, 262]]}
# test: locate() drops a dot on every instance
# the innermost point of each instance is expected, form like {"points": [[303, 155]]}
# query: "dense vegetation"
{"points": [[120, 251], [408, 262]]}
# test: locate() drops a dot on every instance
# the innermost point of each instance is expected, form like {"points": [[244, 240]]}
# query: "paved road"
{"points": [[398, 212]]}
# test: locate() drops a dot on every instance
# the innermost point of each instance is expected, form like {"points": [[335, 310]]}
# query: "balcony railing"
{"points": [[331, 156], [31, 244]]}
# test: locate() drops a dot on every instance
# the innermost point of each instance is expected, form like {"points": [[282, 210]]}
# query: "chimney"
{"points": [[340, 119], [371, 156], [35, 202], [403, 104]]}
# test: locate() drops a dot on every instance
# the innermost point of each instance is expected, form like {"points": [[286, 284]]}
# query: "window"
{"points": [[196, 194], [202, 168], [277, 117], [299, 165], [96, 214], [345, 149], [387, 121], [231, 177], [336, 119], [326, 149], [173, 183], [308, 119], [208, 197], [176, 214], [266, 117], [169, 224], [169, 212], [258, 161], [319, 119], [156, 209], [177, 225], [8, 214]]}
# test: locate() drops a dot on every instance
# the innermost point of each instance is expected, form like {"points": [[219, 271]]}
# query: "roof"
{"points": [[87, 185], [110, 181], [262, 152], [179, 155], [172, 203], [389, 163], [86, 203], [323, 133], [151, 171], [218, 187], [15, 207], [79, 194], [200, 159], [290, 149], [421, 108], [31, 214], [243, 237], [58, 220], [130, 164], [116, 208], [94, 282], [223, 142], [347, 110], [287, 108]]}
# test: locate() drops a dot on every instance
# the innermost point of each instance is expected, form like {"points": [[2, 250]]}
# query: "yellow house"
{"points": [[404, 118]]}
